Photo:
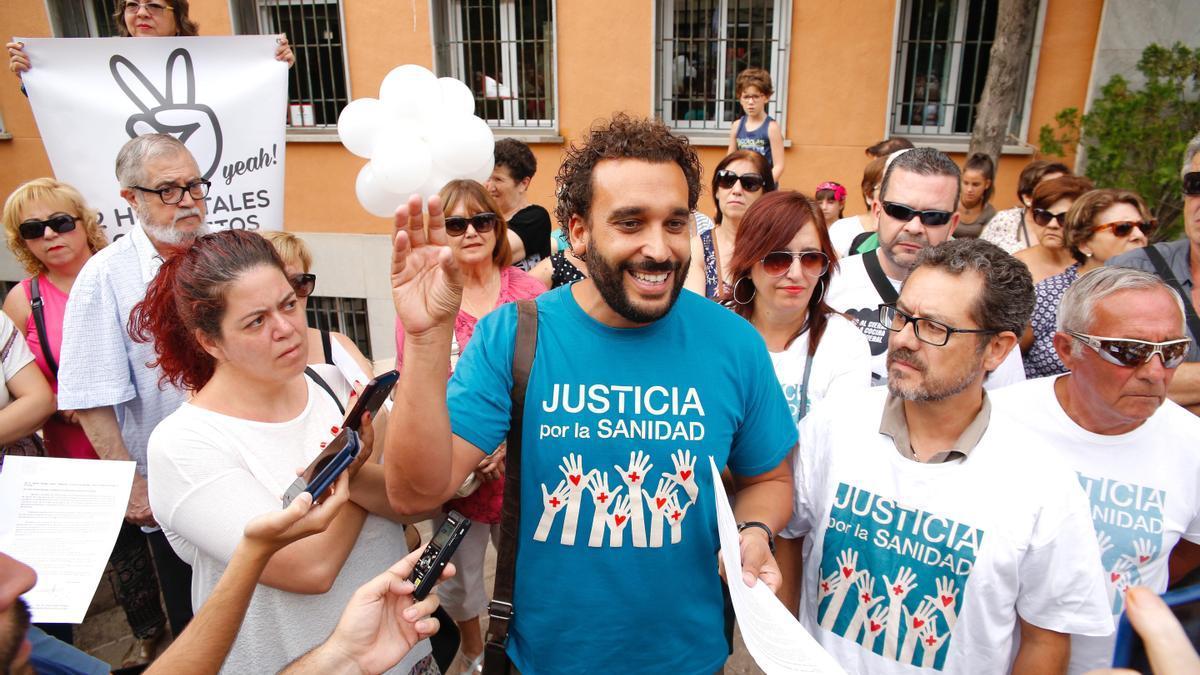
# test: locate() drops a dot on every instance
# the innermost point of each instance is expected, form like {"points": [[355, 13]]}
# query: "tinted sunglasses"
{"points": [[1124, 228], [812, 263], [303, 284], [36, 229], [751, 182], [905, 213], [1191, 183], [1133, 353], [456, 226], [1043, 217]]}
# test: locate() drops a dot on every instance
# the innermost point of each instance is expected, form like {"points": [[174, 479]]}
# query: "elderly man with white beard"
{"points": [[104, 375]]}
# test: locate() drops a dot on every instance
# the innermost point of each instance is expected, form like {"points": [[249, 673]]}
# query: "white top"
{"points": [[100, 364], [925, 568], [842, 363], [842, 233], [852, 293], [210, 474], [1144, 487], [14, 355]]}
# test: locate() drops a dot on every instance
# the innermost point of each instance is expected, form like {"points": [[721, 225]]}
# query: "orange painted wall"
{"points": [[837, 91]]}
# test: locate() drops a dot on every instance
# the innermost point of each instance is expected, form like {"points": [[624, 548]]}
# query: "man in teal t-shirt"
{"points": [[634, 387]]}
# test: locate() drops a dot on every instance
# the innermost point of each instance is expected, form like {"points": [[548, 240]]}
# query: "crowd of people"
{"points": [[955, 439]]}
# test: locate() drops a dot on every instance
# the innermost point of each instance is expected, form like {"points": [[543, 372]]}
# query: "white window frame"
{"points": [[94, 21], [781, 30]]}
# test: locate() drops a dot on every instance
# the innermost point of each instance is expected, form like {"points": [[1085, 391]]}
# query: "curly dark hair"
{"points": [[517, 157], [1006, 301], [184, 25], [622, 137]]}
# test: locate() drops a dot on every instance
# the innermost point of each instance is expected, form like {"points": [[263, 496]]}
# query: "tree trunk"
{"points": [[1015, 22]]}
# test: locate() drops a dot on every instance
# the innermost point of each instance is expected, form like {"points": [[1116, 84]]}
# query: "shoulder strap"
{"points": [[1164, 272], [500, 609], [883, 285], [39, 320], [327, 347], [312, 374]]}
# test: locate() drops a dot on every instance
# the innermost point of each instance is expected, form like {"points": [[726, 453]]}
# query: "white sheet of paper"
{"points": [[776, 640], [350, 369], [61, 517]]}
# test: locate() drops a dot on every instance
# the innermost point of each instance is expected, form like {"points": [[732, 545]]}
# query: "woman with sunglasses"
{"points": [[741, 178], [1101, 224], [478, 240], [1051, 201], [782, 266]]}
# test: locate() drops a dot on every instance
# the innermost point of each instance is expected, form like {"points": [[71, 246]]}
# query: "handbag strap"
{"points": [[808, 363], [883, 285], [500, 609], [312, 374], [1164, 272], [39, 320]]}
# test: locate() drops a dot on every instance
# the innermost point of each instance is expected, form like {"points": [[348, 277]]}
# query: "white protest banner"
{"points": [[224, 97]]}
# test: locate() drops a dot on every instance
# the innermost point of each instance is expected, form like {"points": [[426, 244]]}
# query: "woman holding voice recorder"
{"points": [[227, 326]]}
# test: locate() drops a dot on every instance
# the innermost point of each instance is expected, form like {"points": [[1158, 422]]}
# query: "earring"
{"points": [[737, 285], [821, 295]]}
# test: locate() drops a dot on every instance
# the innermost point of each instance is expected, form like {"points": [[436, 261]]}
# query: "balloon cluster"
{"points": [[420, 134]]}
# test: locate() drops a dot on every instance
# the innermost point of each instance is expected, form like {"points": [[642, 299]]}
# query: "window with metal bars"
{"points": [[318, 86], [347, 316], [504, 51], [83, 18], [942, 56], [702, 45]]}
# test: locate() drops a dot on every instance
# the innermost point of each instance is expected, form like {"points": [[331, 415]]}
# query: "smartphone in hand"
{"points": [[335, 458], [371, 399]]}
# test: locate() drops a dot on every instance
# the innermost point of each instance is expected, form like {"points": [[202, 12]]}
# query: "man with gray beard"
{"points": [[936, 527], [104, 375]]}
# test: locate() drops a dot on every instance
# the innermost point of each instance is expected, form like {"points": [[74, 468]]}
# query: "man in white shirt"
{"points": [[937, 533], [104, 375], [916, 209], [1135, 452]]}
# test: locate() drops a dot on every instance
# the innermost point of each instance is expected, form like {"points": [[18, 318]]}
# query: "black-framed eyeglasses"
{"points": [[1131, 353], [1123, 228], [173, 194], [929, 331], [929, 217], [155, 8], [1191, 183], [1043, 218], [304, 284], [751, 182], [456, 226], [36, 229], [812, 263]]}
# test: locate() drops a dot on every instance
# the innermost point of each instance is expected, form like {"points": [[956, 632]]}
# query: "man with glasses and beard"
{"points": [[938, 532], [634, 386], [1178, 264], [1122, 338], [917, 208], [104, 375]]}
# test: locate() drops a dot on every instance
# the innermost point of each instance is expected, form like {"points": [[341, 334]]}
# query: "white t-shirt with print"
{"points": [[925, 568], [842, 363], [842, 233], [14, 354], [1144, 488], [852, 293], [210, 474]]}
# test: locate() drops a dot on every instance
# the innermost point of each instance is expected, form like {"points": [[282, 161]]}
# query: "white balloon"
{"points": [[401, 159], [410, 90], [457, 98], [376, 200], [461, 144], [484, 172], [434, 184], [358, 124]]}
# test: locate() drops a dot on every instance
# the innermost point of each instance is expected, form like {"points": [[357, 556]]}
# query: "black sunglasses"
{"points": [[812, 263], [36, 229], [1123, 228], [456, 226], [1043, 217], [751, 182], [1133, 353], [931, 217], [303, 284], [1191, 183]]}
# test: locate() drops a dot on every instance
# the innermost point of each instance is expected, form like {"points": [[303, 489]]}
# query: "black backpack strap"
{"points": [[327, 347], [312, 374], [39, 320], [1164, 272], [883, 285], [500, 609]]}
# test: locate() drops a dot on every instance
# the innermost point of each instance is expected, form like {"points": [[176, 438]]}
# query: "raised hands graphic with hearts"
{"points": [[685, 473]]}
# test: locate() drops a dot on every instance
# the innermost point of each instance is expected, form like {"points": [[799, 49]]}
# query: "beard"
{"points": [[905, 260], [170, 233], [13, 633], [932, 389], [610, 281]]}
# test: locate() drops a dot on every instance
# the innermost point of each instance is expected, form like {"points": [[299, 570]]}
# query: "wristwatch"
{"points": [[763, 527]]}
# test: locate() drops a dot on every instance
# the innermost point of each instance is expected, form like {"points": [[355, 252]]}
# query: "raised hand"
{"points": [[931, 644], [634, 475], [906, 581], [426, 280], [847, 569], [617, 520], [828, 585], [867, 600], [552, 503], [914, 623], [659, 506], [685, 473], [1105, 542], [1143, 551], [602, 499], [18, 61], [572, 469], [946, 600], [675, 516], [876, 623]]}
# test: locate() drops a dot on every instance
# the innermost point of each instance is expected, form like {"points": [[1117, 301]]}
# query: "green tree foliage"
{"points": [[1135, 139]]}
